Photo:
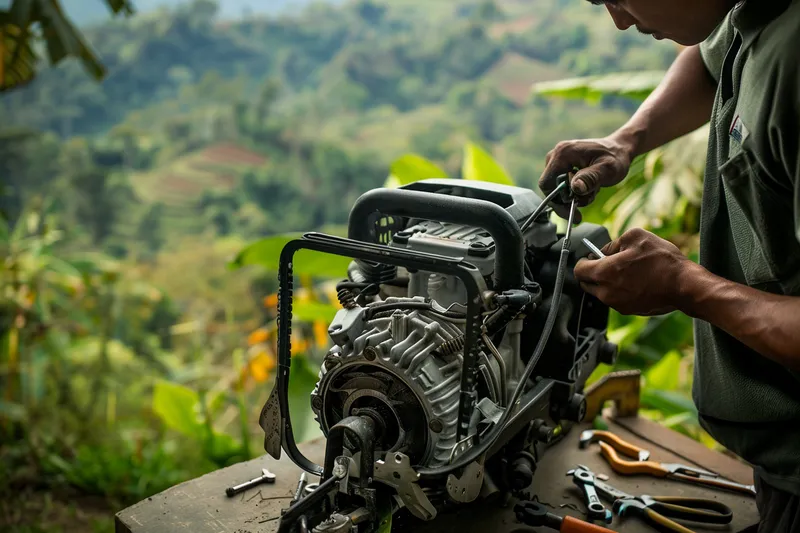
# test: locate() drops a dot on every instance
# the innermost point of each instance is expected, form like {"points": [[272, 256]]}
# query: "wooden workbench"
{"points": [[200, 505]]}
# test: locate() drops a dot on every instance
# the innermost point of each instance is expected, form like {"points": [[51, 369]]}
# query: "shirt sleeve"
{"points": [[714, 49]]}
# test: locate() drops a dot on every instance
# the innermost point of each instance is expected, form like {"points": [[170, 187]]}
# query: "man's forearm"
{"points": [[767, 323], [680, 104]]}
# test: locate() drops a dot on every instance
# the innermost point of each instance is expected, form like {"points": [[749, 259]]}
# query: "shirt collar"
{"points": [[749, 17]]}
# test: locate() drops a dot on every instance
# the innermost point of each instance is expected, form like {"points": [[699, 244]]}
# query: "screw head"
{"points": [[436, 425], [370, 353], [316, 402]]}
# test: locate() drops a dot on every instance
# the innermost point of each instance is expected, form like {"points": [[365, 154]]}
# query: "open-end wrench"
{"points": [[584, 479]]}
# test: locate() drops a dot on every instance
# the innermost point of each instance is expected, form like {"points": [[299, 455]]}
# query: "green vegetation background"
{"points": [[133, 355]]}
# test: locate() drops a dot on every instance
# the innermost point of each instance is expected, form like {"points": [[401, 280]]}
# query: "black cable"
{"points": [[542, 206]]}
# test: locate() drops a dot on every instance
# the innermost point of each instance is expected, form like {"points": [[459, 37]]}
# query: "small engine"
{"points": [[458, 355]]}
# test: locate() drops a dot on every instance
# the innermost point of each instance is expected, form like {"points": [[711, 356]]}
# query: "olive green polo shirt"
{"points": [[750, 230]]}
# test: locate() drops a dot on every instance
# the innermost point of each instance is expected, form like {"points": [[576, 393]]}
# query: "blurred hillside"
{"points": [[87, 12], [358, 84]]}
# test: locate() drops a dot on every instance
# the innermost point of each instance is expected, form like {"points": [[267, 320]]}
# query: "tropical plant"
{"points": [[27, 24]]}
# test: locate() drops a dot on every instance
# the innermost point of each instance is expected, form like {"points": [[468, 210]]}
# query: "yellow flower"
{"points": [[299, 346], [321, 334], [271, 301], [258, 336], [260, 366]]}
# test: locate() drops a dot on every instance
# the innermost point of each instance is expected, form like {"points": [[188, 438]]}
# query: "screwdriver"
{"points": [[593, 248]]}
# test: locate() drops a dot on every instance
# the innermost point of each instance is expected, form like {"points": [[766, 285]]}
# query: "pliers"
{"points": [[658, 511], [688, 474]]}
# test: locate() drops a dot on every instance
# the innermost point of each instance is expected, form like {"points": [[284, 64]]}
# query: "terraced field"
{"points": [[181, 183]]}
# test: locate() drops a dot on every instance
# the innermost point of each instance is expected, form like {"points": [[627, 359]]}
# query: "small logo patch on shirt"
{"points": [[739, 131]]}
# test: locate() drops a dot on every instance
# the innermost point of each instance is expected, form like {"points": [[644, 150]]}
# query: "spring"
{"points": [[452, 346], [346, 298]]}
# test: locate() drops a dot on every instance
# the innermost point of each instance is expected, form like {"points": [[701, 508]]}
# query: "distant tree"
{"points": [[370, 11], [19, 39], [150, 231]]}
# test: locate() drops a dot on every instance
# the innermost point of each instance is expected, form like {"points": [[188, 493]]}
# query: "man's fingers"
{"points": [[588, 271], [612, 247]]}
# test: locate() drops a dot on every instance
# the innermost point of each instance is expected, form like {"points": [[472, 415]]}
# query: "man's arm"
{"points": [[681, 103], [767, 323]]}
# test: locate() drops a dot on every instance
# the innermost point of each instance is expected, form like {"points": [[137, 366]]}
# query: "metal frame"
{"points": [[356, 249]]}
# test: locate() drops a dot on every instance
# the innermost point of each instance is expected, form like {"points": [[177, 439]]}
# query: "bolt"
{"points": [[316, 402], [339, 470], [370, 353], [436, 425], [331, 361]]}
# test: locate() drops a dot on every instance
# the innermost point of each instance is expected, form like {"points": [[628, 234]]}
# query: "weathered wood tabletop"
{"points": [[201, 506]]}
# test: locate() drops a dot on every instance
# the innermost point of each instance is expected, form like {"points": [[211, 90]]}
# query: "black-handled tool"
{"points": [[265, 477], [662, 511]]}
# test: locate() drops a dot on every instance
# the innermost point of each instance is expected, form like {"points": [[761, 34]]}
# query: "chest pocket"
{"points": [[762, 225]]}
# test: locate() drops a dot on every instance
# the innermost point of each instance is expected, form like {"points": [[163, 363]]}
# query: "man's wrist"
{"points": [[692, 282], [630, 139]]}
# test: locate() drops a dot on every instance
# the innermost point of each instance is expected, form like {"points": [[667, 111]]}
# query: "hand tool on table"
{"points": [[535, 514], [590, 435], [688, 474], [659, 511], [265, 477], [585, 480]]}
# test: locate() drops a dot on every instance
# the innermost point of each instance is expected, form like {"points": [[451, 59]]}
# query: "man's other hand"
{"points": [[639, 276], [599, 163]]}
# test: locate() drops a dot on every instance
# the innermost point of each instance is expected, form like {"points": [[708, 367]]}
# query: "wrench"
{"points": [[584, 479]]}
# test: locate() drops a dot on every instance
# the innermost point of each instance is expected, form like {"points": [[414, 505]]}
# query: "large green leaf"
{"points": [[664, 374], [478, 165], [410, 168], [313, 311], [302, 380], [636, 85], [669, 403], [176, 406], [266, 253]]}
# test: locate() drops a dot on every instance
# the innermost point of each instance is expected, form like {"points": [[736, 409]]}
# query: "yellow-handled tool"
{"points": [[673, 471]]}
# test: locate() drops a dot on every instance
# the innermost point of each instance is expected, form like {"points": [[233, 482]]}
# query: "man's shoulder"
{"points": [[778, 45]]}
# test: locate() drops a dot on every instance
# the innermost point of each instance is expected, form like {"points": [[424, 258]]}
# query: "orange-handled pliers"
{"points": [[672, 470], [595, 435]]}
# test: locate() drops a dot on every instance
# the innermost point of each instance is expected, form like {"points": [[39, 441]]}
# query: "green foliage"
{"points": [[183, 410], [480, 166], [302, 380], [635, 85], [58, 35], [266, 253], [410, 168]]}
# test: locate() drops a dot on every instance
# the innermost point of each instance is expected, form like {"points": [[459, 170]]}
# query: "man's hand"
{"points": [[639, 275], [601, 163]]}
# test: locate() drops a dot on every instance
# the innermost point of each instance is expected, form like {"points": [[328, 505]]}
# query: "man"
{"points": [[741, 71]]}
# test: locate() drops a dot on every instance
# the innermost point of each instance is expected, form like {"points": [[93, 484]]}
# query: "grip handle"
{"points": [[622, 466], [573, 525], [624, 446]]}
